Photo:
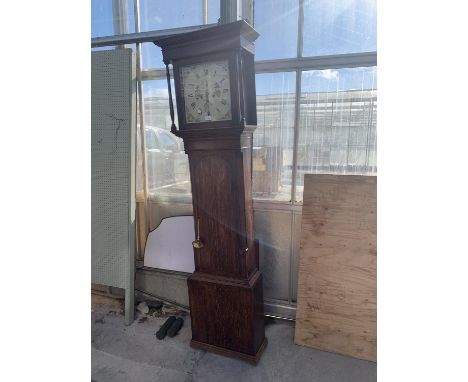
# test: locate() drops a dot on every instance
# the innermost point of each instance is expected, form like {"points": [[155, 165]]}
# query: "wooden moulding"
{"points": [[253, 359], [337, 291], [141, 227]]}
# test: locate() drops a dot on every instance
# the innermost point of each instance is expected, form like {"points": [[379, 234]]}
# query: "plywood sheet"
{"points": [[337, 296]]}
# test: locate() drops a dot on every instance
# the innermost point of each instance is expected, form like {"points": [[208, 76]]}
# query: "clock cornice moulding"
{"points": [[178, 46]]}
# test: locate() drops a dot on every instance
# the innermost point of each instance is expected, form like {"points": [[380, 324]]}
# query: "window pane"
{"points": [[163, 14], [276, 21], [213, 11], [338, 119], [102, 18], [274, 135], [131, 16], [339, 26], [167, 164], [151, 56]]}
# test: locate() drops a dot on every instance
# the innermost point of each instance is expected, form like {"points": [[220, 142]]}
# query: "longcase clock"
{"points": [[214, 79]]}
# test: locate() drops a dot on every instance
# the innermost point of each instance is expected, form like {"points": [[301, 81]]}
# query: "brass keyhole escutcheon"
{"points": [[197, 243]]}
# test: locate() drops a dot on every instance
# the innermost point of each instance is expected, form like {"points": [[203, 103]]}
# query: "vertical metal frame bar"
{"points": [[349, 134], [291, 248], [205, 11], [332, 119], [300, 29], [119, 13], [297, 107], [247, 12], [291, 255], [229, 11], [369, 127], [136, 11], [297, 104], [132, 234]]}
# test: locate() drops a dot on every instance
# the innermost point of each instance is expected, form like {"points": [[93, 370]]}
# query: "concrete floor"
{"points": [[132, 353]]}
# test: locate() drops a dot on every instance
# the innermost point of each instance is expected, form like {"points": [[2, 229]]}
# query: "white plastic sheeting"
{"points": [[170, 245]]}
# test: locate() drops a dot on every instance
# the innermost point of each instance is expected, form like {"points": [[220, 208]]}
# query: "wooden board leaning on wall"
{"points": [[337, 291], [141, 226]]}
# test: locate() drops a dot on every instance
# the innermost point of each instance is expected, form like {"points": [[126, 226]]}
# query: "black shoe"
{"points": [[161, 333], [175, 327]]}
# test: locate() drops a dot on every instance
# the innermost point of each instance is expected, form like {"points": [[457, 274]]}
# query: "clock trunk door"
{"points": [[217, 200]]}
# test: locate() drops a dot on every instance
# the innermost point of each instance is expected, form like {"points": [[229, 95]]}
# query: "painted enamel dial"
{"points": [[206, 92]]}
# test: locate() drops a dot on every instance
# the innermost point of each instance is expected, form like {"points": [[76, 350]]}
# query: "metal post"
{"points": [[205, 11], [247, 11], [297, 110], [369, 127], [229, 11], [300, 29], [349, 134], [119, 12], [297, 105], [136, 11]]}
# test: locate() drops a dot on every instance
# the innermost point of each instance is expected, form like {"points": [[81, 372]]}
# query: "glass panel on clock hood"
{"points": [[206, 92]]}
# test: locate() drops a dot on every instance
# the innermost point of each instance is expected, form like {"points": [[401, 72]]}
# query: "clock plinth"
{"points": [[215, 89], [227, 315]]}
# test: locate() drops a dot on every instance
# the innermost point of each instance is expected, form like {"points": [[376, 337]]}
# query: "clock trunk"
{"points": [[225, 291]]}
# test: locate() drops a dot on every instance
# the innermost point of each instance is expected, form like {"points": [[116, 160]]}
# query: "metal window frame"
{"points": [[336, 61], [205, 11], [297, 104], [120, 19], [140, 37], [232, 11], [140, 105], [229, 11]]}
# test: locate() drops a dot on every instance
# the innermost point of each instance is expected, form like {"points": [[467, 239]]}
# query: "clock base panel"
{"points": [[227, 317]]}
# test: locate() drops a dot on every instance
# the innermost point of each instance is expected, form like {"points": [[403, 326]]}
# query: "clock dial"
{"points": [[206, 92]]}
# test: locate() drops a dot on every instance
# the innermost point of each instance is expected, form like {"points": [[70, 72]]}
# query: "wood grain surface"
{"points": [[337, 291], [142, 229]]}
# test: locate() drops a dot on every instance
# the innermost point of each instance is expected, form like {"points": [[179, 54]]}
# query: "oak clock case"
{"points": [[214, 78]]}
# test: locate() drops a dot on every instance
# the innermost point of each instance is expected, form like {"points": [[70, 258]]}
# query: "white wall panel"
{"points": [[113, 122]]}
